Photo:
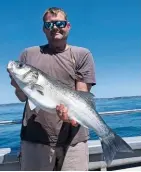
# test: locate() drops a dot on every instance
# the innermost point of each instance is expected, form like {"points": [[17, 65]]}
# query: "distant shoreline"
{"points": [[112, 98]]}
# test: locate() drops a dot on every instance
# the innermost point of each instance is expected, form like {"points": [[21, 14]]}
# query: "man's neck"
{"points": [[58, 46]]}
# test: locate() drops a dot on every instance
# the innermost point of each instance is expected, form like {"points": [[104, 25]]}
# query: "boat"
{"points": [[122, 162]]}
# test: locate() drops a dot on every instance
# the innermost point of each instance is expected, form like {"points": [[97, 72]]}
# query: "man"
{"points": [[53, 142]]}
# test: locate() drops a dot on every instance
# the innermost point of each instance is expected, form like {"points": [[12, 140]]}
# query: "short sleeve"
{"points": [[85, 69]]}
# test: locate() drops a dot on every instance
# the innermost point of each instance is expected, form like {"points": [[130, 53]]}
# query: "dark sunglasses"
{"points": [[58, 24]]}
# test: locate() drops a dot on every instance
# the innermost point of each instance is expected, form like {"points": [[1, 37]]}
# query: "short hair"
{"points": [[54, 11]]}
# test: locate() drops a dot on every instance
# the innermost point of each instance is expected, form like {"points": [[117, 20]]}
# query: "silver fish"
{"points": [[45, 92]]}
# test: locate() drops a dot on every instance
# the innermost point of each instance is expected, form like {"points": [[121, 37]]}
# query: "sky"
{"points": [[111, 30]]}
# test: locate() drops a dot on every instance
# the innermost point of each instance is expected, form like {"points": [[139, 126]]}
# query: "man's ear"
{"points": [[68, 25]]}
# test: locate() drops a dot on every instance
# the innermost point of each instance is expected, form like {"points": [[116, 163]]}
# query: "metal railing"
{"points": [[95, 150], [101, 113], [121, 159]]}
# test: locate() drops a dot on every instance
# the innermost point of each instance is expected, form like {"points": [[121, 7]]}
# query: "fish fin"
{"points": [[88, 97], [31, 105], [112, 144], [41, 92], [39, 88]]}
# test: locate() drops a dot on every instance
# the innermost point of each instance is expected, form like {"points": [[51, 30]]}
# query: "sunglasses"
{"points": [[58, 24]]}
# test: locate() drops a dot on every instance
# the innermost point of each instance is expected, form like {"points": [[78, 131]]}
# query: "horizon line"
{"points": [[118, 97]]}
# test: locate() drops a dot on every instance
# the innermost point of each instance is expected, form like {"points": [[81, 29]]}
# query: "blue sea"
{"points": [[125, 125]]}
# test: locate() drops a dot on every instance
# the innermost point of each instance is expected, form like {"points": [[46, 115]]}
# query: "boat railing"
{"points": [[96, 161], [122, 159], [6, 122]]}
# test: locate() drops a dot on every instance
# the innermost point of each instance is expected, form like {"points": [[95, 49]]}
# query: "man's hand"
{"points": [[13, 83], [62, 112]]}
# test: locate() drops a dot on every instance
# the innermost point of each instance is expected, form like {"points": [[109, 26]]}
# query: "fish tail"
{"points": [[112, 144]]}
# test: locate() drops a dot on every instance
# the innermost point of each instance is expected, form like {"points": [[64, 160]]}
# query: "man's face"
{"points": [[56, 27]]}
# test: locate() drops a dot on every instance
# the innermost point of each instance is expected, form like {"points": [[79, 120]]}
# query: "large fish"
{"points": [[45, 93]]}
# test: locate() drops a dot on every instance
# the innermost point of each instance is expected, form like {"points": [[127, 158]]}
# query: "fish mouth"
{"points": [[10, 66]]}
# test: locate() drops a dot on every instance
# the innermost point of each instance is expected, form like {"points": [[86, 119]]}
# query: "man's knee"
{"points": [[77, 158]]}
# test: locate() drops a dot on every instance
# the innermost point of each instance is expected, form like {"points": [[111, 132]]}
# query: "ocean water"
{"points": [[125, 125]]}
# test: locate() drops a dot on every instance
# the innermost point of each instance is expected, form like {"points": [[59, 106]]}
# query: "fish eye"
{"points": [[20, 65]]}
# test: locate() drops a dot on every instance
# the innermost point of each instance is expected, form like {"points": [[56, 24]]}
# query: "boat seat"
{"points": [[3, 152]]}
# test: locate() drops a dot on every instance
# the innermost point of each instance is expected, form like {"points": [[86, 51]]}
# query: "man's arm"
{"points": [[85, 68], [62, 111], [81, 86]]}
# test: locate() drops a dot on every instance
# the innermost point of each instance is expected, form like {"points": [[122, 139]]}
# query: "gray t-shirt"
{"points": [[73, 63]]}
